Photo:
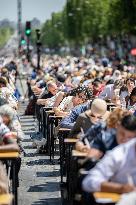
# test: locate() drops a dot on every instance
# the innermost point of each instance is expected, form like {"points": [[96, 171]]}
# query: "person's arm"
{"points": [[69, 121], [103, 94], [9, 143], [94, 153], [113, 187], [102, 172], [9, 147], [41, 101], [59, 112], [81, 147], [58, 99]]}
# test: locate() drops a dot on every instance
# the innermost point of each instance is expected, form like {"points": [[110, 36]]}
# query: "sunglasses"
{"points": [[94, 116]]}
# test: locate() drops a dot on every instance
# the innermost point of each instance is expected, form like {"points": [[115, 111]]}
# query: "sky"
{"points": [[40, 9]]}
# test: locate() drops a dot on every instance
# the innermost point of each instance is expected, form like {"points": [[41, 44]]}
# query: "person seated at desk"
{"points": [[111, 92], [75, 97], [90, 117], [116, 172], [53, 101], [126, 89], [105, 136], [70, 119], [10, 119], [6, 141], [50, 91]]}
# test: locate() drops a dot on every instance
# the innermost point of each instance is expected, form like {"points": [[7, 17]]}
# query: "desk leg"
{"points": [[14, 184], [61, 148]]}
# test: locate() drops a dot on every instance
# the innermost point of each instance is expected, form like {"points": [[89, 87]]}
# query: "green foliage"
{"points": [[82, 20], [5, 34]]}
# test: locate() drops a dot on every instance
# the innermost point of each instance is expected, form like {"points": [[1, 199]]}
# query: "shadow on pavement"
{"points": [[51, 201], [48, 174], [47, 187]]}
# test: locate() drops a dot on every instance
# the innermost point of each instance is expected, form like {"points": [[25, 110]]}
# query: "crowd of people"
{"points": [[11, 133], [80, 90]]}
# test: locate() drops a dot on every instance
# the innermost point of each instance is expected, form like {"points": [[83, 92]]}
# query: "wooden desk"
{"points": [[9, 155], [12, 156], [49, 111], [76, 153], [108, 197], [64, 129], [70, 140], [6, 199], [56, 116]]}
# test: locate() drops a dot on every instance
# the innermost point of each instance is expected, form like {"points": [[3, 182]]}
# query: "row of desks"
{"points": [[100, 197], [67, 152]]}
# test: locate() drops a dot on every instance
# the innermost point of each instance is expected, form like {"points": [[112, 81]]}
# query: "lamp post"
{"points": [[38, 43]]}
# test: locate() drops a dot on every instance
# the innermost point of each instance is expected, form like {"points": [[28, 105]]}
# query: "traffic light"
{"points": [[38, 34], [28, 28], [23, 41]]}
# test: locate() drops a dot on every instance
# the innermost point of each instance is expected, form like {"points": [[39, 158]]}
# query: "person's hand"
{"points": [[126, 188], [85, 149], [39, 101]]}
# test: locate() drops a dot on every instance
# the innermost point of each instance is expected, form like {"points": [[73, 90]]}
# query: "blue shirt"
{"points": [[102, 138], [68, 122]]}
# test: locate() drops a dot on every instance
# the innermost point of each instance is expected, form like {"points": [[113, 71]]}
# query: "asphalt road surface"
{"points": [[39, 179]]}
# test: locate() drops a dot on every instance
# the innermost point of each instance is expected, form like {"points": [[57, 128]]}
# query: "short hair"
{"points": [[130, 79], [116, 116], [129, 123], [81, 89], [8, 111], [50, 84]]}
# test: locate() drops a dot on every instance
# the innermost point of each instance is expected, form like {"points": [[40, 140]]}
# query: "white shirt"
{"points": [[66, 105], [52, 100], [115, 167], [107, 93]]}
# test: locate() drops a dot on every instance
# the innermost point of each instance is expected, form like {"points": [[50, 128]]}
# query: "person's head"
{"points": [[126, 130], [115, 117], [3, 82], [7, 113], [52, 87], [98, 110], [130, 83], [133, 95], [80, 95], [97, 85], [116, 75], [4, 71]]}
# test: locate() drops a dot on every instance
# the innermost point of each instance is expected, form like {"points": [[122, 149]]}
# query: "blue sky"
{"points": [[41, 9]]}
